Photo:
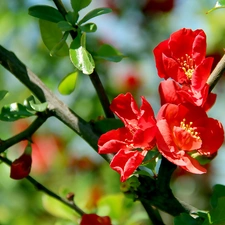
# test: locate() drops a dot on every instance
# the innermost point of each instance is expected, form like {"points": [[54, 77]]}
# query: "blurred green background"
{"points": [[63, 162]]}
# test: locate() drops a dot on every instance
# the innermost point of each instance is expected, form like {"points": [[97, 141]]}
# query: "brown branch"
{"points": [[217, 73], [56, 107]]}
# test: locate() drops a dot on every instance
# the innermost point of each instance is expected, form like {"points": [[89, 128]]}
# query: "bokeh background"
{"points": [[62, 161]]}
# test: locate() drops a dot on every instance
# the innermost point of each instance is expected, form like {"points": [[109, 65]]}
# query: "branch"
{"points": [[216, 74], [94, 76], [26, 134], [42, 188], [56, 107]]}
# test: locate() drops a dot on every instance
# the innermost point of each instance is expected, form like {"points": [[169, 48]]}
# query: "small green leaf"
{"points": [[53, 38], [219, 4], [94, 13], [32, 104], [46, 12], [77, 5], [65, 26], [82, 60], [14, 112], [67, 85], [109, 53], [89, 27], [3, 93]]}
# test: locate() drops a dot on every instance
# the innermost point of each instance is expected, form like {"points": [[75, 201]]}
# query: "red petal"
{"points": [[125, 107], [114, 140], [126, 162]]}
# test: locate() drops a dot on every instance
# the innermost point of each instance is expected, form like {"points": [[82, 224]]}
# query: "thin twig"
{"points": [[42, 188], [94, 77], [5, 144]]}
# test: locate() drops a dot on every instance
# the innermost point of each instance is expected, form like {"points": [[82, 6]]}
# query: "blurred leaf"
{"points": [[53, 38], [65, 26], [58, 209], [3, 93], [112, 206], [72, 17], [82, 60], [105, 125], [89, 27], [94, 13], [218, 191], [109, 53], [14, 112], [219, 4], [77, 5], [186, 219], [46, 12], [67, 85]]}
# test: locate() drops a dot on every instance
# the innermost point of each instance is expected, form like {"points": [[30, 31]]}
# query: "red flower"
{"points": [[95, 220], [21, 167], [182, 57], [172, 92], [185, 131], [132, 142]]}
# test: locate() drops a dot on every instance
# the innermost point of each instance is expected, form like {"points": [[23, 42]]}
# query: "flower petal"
{"points": [[126, 162]]}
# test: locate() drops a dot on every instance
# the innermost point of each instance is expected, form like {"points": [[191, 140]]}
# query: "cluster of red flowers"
{"points": [[182, 131]]}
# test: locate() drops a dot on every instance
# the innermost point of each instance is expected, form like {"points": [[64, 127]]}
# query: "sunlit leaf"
{"points": [[109, 53], [45, 12], [67, 85], [77, 5], [3, 93], [58, 209], [219, 4], [82, 60], [14, 112], [89, 27], [41, 107], [53, 38], [94, 13]]}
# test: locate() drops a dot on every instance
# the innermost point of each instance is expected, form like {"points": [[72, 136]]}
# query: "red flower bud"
{"points": [[95, 220], [21, 167]]}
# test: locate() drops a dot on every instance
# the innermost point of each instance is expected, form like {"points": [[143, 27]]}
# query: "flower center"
{"points": [[188, 127], [187, 65]]}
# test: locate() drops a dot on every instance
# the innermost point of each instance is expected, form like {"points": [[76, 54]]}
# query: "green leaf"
{"points": [[105, 125], [109, 53], [46, 12], [89, 27], [218, 191], [14, 112], [94, 13], [77, 5], [82, 60], [41, 107], [186, 219], [217, 215], [67, 85], [219, 4], [53, 38], [65, 26], [72, 17], [3, 93]]}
